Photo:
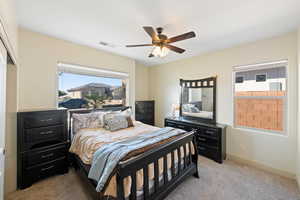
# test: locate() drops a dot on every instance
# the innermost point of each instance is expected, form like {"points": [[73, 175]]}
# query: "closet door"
{"points": [[3, 60]]}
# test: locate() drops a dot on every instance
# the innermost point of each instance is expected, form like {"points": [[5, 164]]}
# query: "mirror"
{"points": [[198, 99], [198, 102]]}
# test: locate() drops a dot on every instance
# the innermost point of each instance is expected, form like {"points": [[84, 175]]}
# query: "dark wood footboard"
{"points": [[161, 188]]}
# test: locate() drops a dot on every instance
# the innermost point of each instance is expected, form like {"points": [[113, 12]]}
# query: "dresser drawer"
{"points": [[207, 151], [210, 132], [44, 134], [38, 172], [207, 141], [40, 119], [38, 157], [180, 126]]}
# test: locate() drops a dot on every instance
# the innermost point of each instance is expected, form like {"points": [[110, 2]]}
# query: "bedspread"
{"points": [[87, 141]]}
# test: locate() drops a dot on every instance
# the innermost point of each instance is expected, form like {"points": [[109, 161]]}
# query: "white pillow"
{"points": [[88, 120]]}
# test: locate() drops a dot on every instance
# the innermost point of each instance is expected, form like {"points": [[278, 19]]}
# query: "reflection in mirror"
{"points": [[198, 102]]}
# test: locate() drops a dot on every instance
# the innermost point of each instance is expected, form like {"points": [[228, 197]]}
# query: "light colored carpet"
{"points": [[229, 181]]}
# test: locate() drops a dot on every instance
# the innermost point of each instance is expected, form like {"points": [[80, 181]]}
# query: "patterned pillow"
{"points": [[125, 113], [89, 120], [115, 122]]}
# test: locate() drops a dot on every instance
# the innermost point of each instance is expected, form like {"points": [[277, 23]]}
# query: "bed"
{"points": [[148, 173]]}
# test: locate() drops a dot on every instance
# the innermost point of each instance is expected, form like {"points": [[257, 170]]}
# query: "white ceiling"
{"points": [[218, 23]]}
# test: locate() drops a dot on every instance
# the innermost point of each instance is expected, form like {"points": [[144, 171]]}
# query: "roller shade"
{"points": [[265, 65], [85, 70]]}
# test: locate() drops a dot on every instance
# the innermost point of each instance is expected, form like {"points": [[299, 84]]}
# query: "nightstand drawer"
{"points": [[40, 119], [44, 134], [38, 157], [42, 171]]}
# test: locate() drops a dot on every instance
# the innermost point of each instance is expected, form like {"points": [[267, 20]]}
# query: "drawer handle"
{"points": [[201, 139], [47, 168], [46, 132], [46, 120], [210, 132], [47, 155], [202, 148]]}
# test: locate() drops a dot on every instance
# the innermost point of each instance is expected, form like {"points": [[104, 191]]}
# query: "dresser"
{"points": [[144, 112], [210, 137], [42, 145]]}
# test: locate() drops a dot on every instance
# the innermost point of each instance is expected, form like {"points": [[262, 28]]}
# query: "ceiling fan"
{"points": [[161, 43]]}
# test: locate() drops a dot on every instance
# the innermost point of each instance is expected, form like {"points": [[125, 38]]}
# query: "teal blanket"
{"points": [[107, 157]]}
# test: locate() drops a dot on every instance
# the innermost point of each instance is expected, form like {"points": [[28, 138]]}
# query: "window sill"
{"points": [[260, 132]]}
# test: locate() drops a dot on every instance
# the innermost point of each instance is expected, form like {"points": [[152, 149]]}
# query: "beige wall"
{"points": [[270, 150], [39, 55], [37, 80], [8, 27], [11, 130], [142, 82]]}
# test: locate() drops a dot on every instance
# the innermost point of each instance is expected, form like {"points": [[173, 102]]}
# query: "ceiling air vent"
{"points": [[107, 44]]}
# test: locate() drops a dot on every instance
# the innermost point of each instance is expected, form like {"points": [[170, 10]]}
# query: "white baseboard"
{"points": [[263, 167]]}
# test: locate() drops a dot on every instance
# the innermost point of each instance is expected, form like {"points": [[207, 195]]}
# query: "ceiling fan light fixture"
{"points": [[160, 51], [162, 43]]}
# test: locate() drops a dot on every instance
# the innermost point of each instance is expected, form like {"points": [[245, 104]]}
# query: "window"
{"points": [[261, 77], [87, 89], [239, 79], [260, 100]]}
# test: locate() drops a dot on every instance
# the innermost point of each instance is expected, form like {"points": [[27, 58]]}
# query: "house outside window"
{"points": [[261, 77], [85, 89], [260, 100], [239, 79]]}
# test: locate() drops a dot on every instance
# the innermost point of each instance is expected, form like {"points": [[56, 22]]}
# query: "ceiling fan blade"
{"points": [[173, 48], [150, 30], [184, 36], [140, 45]]}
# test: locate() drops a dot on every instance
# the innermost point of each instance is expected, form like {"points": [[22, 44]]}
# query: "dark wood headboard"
{"points": [[82, 111]]}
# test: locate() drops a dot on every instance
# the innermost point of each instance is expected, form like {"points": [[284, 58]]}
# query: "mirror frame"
{"points": [[210, 82]]}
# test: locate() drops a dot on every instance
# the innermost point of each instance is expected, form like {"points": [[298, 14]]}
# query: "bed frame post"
{"points": [[195, 156]]}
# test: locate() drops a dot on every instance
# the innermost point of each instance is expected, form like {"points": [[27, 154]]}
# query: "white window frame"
{"points": [[266, 65], [91, 71]]}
